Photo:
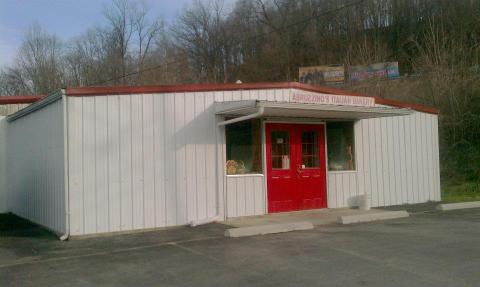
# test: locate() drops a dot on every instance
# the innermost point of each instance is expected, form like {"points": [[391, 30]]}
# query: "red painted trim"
{"points": [[417, 107], [95, 91], [10, 100]]}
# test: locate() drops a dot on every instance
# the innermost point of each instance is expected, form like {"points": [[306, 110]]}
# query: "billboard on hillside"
{"points": [[318, 75], [385, 70]]}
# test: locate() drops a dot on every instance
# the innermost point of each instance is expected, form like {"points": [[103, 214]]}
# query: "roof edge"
{"points": [[185, 88], [43, 102], [119, 90], [398, 104], [11, 100]]}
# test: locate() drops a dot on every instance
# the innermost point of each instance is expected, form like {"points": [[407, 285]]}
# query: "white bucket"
{"points": [[365, 202]]}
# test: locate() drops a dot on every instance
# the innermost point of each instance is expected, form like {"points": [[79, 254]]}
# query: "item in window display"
{"points": [[232, 167], [236, 167], [350, 157], [336, 166], [241, 169]]}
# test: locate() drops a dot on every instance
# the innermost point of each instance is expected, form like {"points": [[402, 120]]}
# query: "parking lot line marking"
{"points": [[64, 258], [194, 251]]}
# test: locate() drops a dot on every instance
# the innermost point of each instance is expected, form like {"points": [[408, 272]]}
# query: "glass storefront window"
{"points": [[243, 144], [340, 146]]}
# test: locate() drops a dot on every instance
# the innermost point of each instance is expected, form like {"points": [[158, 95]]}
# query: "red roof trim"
{"points": [[417, 107], [95, 91], [11, 100]]}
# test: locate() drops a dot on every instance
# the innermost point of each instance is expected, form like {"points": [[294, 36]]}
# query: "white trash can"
{"points": [[365, 202]]}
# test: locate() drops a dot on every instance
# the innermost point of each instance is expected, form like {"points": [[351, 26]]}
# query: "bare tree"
{"points": [[120, 31], [38, 64], [146, 33], [132, 32], [201, 31], [13, 83]]}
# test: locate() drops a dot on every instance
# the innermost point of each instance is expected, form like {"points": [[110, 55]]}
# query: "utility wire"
{"points": [[304, 21]]}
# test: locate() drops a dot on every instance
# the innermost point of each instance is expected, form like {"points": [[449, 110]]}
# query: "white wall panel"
{"points": [[159, 156], [342, 189], [436, 158], [210, 154], [3, 165], [141, 161], [35, 160], [101, 164], [9, 109], [396, 160], [113, 159], [245, 195], [148, 164]]}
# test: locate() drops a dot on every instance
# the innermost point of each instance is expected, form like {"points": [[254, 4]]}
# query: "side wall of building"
{"points": [[35, 161], [3, 165], [397, 161], [141, 161]]}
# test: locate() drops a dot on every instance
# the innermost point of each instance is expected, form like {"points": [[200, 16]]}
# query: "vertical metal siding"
{"points": [[342, 189], [35, 160], [3, 165], [141, 161], [245, 196], [9, 109], [396, 161]]}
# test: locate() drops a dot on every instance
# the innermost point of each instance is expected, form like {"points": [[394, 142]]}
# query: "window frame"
{"points": [[327, 160], [261, 173]]}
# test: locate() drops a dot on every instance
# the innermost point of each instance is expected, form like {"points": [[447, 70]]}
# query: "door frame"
{"points": [[264, 152]]}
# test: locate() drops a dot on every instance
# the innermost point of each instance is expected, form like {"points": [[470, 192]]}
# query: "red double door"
{"points": [[295, 167]]}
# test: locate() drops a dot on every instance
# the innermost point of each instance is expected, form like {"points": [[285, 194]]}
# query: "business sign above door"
{"points": [[327, 99]]}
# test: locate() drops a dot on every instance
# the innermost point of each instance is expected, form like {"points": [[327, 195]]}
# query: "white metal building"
{"points": [[106, 159]]}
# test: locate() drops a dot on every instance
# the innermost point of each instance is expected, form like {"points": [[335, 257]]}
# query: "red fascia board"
{"points": [[417, 107], [122, 90], [11, 100], [95, 91]]}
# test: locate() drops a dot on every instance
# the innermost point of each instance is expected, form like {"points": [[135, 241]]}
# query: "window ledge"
{"points": [[342, 171], [245, 175]]}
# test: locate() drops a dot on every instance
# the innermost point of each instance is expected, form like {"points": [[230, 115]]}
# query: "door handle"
{"points": [[299, 168]]}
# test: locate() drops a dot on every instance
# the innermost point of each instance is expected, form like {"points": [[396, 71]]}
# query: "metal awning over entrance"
{"points": [[253, 109]]}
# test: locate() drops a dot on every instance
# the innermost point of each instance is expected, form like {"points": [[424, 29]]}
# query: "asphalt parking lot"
{"points": [[430, 248]]}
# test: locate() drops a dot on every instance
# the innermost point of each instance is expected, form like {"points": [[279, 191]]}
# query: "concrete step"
{"points": [[268, 229], [384, 215], [459, 205]]}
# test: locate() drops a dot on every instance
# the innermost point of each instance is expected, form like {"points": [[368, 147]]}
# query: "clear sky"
{"points": [[64, 18]]}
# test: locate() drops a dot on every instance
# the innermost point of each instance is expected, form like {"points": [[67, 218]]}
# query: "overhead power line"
{"points": [[304, 21]]}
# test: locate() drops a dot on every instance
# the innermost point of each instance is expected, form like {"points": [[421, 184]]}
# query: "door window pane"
{"points": [[243, 142], [340, 146], [280, 150], [310, 157]]}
